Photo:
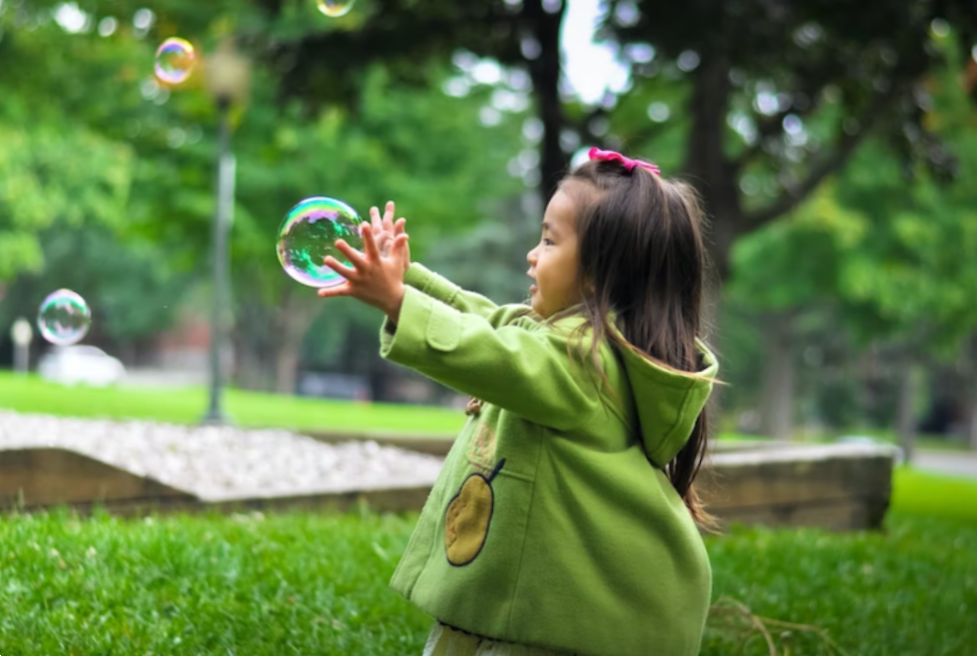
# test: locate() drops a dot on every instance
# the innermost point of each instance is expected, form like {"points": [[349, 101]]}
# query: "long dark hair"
{"points": [[642, 256]]}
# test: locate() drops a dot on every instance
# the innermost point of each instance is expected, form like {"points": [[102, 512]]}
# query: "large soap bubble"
{"points": [[64, 318], [334, 8], [308, 234], [175, 58]]}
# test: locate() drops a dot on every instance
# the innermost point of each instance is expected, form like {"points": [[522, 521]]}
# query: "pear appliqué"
{"points": [[468, 516]]}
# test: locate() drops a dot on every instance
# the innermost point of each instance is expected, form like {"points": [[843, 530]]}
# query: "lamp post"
{"points": [[227, 80], [21, 335]]}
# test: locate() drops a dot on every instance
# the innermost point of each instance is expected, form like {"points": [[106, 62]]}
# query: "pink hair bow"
{"points": [[629, 164]]}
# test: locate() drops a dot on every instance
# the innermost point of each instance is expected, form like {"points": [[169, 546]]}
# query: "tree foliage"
{"points": [[121, 150], [752, 78], [884, 241]]}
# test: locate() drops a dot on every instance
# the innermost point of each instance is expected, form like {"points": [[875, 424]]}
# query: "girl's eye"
{"points": [[548, 242]]}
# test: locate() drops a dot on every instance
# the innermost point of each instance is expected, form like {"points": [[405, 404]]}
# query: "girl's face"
{"points": [[553, 263]]}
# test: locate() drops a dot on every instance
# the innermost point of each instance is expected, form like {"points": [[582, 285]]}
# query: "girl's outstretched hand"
{"points": [[374, 279], [385, 230]]}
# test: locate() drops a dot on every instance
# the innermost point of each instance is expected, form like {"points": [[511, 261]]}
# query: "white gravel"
{"points": [[222, 463]]}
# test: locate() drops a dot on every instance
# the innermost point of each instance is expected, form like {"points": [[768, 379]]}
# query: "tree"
{"points": [[67, 172], [412, 143], [781, 272], [51, 175], [789, 91], [881, 247], [823, 71]]}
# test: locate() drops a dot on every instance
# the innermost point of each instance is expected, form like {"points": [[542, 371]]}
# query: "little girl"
{"points": [[564, 520]]}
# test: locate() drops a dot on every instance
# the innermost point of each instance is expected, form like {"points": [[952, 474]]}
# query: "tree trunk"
{"points": [[293, 319], [287, 367], [906, 420], [253, 346], [545, 71], [972, 406], [707, 167], [777, 411], [379, 374], [971, 387]]}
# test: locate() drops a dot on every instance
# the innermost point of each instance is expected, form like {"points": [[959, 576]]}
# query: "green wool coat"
{"points": [[552, 523]]}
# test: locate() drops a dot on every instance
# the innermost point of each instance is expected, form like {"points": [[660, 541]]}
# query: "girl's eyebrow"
{"points": [[547, 226]]}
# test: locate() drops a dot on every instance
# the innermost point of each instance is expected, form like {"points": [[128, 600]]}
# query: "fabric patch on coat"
{"points": [[466, 521], [481, 449]]}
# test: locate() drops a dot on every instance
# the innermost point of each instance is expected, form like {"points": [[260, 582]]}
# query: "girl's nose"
{"points": [[531, 257]]}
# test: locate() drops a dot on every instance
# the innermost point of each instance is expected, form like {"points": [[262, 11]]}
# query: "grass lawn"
{"points": [[316, 584], [923, 441], [247, 409], [252, 409], [932, 495]]}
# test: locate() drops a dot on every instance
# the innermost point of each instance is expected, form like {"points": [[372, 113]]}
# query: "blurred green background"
{"points": [[834, 147]]}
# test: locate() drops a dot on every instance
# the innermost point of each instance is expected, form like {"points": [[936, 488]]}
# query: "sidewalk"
{"points": [[955, 463]]}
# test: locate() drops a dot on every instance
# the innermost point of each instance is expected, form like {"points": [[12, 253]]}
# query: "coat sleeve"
{"points": [[528, 372], [430, 283]]}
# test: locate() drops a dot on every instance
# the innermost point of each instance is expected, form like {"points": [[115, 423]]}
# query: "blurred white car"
{"points": [[86, 365]]}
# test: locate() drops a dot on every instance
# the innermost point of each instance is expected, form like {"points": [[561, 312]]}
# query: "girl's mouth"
{"points": [[532, 289]]}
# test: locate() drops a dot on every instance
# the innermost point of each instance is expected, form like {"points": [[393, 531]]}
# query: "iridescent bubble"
{"points": [[334, 8], [174, 60], [308, 234], [64, 318]]}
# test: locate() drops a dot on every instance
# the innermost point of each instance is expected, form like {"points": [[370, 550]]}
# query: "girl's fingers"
{"points": [[375, 218], [400, 243], [340, 268], [331, 292], [400, 226], [388, 215], [354, 256], [370, 245]]}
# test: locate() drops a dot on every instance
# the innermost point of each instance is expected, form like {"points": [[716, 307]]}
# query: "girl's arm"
{"points": [[526, 370], [522, 367], [442, 289]]}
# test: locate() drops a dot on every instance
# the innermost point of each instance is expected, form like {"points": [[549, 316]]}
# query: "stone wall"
{"points": [[838, 487]]}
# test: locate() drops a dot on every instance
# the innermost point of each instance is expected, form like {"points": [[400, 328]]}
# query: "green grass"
{"points": [[909, 591], [290, 584], [253, 409], [316, 584], [933, 495], [249, 409], [926, 442]]}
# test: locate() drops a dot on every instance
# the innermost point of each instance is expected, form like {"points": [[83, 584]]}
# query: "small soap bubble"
{"points": [[334, 8], [174, 60], [64, 318], [308, 234]]}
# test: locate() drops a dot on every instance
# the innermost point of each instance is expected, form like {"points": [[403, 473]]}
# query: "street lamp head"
{"points": [[227, 74]]}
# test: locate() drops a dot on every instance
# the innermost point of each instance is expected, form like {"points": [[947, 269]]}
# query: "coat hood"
{"points": [[667, 402]]}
